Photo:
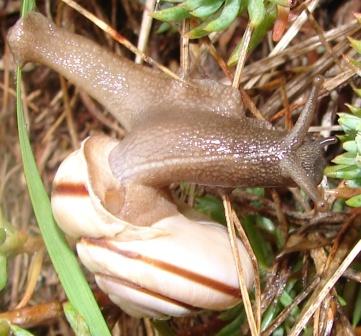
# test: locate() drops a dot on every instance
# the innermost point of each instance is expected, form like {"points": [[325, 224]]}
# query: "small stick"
{"points": [[28, 317], [324, 290], [257, 281], [68, 113], [242, 56], [242, 285], [287, 37], [145, 29], [184, 49], [33, 275], [287, 310]]}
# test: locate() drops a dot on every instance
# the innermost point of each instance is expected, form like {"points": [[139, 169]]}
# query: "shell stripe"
{"points": [[70, 189], [192, 276], [144, 290]]}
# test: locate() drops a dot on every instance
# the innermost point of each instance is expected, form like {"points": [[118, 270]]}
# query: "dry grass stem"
{"points": [[288, 36], [322, 290], [145, 28], [257, 280], [242, 55], [248, 102], [93, 109], [270, 62], [148, 327], [322, 37], [282, 220], [220, 61], [33, 275], [6, 77], [303, 81], [253, 324], [184, 49], [33, 316], [285, 312], [69, 114]]}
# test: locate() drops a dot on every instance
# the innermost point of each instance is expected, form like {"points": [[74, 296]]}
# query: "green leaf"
{"points": [[232, 329], [229, 13], [354, 110], [198, 32], [164, 27], [163, 328], [346, 137], [256, 11], [3, 272], [260, 246], [350, 146], [4, 327], [357, 91], [212, 207], [258, 34], [27, 6], [283, 3], [177, 13], [257, 191], [354, 202], [280, 332], [231, 313], [356, 315], [62, 257], [341, 301], [345, 159], [208, 8], [193, 4], [268, 316], [17, 331], [355, 183], [356, 64], [285, 299], [343, 172], [2, 236], [356, 44], [75, 320], [349, 122]]}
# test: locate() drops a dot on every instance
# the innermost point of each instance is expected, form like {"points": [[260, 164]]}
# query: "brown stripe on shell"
{"points": [[70, 189], [147, 291], [192, 276]]}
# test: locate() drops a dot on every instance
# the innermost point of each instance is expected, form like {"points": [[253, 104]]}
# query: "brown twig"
{"points": [[254, 323]]}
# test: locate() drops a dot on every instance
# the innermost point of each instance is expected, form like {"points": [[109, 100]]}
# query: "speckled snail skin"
{"points": [[149, 258], [177, 132]]}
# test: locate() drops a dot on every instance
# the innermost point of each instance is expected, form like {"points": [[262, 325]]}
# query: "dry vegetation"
{"points": [[299, 251]]}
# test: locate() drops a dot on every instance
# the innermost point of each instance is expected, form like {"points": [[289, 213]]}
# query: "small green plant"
{"points": [[217, 15], [347, 165]]}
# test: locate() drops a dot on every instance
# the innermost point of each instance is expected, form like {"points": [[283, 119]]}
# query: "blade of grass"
{"points": [[63, 259]]}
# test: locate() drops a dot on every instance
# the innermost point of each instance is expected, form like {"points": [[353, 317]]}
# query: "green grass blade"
{"points": [[62, 257]]}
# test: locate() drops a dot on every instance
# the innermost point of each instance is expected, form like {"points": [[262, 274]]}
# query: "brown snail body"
{"points": [[177, 132]]}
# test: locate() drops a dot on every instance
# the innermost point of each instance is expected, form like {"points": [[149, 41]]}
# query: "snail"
{"points": [[195, 132], [157, 270], [178, 132]]}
